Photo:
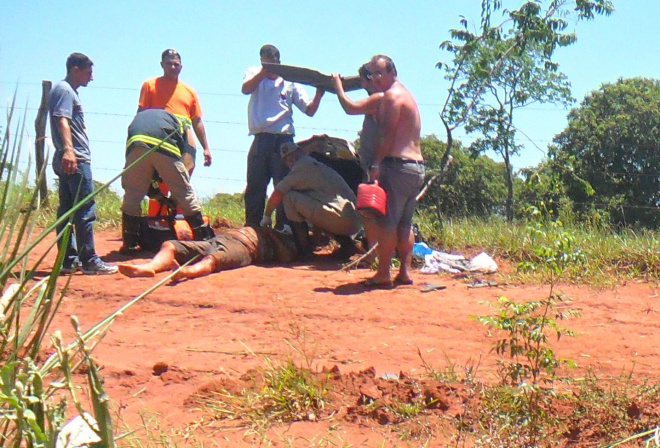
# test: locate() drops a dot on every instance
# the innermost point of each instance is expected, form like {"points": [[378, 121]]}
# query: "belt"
{"points": [[277, 134], [402, 160]]}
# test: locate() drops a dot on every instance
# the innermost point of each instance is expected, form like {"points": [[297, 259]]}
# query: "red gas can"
{"points": [[371, 200]]}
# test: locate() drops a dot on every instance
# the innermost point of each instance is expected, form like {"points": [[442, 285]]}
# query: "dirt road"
{"points": [[179, 339]]}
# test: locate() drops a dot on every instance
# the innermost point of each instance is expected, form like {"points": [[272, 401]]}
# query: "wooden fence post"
{"points": [[39, 143]]}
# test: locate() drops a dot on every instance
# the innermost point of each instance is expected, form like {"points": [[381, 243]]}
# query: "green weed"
{"points": [[34, 392], [529, 370], [277, 393], [609, 256], [450, 373], [610, 410], [227, 207]]}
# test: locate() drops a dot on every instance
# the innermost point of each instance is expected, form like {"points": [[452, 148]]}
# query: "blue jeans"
{"points": [[73, 188], [263, 164]]}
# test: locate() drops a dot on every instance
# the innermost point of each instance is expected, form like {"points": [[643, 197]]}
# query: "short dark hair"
{"points": [[170, 53], [364, 71], [78, 60], [269, 51], [389, 63]]}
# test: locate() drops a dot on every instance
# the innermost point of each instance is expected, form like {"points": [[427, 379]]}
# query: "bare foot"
{"points": [[178, 276], [135, 270]]}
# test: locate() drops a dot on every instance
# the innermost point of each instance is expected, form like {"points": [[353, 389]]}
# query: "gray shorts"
{"points": [[402, 180]]}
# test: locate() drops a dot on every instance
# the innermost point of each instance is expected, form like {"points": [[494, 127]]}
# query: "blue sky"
{"points": [[219, 40]]}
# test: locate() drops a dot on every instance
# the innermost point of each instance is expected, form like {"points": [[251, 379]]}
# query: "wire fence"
{"points": [[210, 120]]}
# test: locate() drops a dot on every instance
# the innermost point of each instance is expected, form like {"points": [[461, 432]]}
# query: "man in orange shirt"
{"points": [[167, 92]]}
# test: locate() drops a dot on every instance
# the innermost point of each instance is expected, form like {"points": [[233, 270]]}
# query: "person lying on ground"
{"points": [[231, 249]]}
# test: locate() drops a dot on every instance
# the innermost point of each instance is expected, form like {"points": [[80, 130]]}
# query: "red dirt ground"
{"points": [[192, 336]]}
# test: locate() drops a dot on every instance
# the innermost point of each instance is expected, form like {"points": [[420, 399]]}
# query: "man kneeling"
{"points": [[315, 193], [231, 249]]}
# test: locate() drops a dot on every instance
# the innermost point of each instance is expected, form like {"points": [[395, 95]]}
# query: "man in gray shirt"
{"points": [[72, 164]]}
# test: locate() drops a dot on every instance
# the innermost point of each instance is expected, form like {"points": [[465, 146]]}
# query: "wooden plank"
{"points": [[40, 132], [311, 77]]}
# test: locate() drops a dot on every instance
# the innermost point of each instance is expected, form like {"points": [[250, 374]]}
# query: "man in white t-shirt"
{"points": [[270, 121]]}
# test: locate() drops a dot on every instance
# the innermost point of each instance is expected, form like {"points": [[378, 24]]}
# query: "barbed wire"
{"points": [[115, 170], [550, 108], [244, 124], [206, 120]]}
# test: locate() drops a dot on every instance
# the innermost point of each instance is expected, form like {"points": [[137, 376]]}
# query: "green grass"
{"points": [[226, 206], [108, 208], [592, 410], [610, 255], [279, 392]]}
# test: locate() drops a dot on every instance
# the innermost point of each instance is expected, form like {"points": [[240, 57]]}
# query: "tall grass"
{"points": [[227, 208], [32, 407], [610, 254], [108, 208], [35, 392]]}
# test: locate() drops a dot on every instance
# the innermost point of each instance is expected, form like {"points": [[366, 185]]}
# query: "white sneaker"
{"points": [[100, 268]]}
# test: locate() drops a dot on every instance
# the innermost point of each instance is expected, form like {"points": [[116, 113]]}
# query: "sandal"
{"points": [[371, 283], [398, 281]]}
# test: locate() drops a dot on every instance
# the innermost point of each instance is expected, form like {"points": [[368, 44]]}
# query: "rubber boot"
{"points": [[130, 234], [346, 249], [301, 237], [201, 230]]}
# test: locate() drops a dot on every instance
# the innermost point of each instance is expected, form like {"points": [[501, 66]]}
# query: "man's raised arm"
{"points": [[251, 83], [365, 106]]}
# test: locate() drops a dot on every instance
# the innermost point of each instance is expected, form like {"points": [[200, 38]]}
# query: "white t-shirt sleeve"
{"points": [[300, 98]]}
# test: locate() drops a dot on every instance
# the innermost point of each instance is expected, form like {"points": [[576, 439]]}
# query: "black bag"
{"points": [[154, 232]]}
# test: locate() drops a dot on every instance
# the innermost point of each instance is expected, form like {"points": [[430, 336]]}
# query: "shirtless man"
{"points": [[398, 166], [231, 249]]}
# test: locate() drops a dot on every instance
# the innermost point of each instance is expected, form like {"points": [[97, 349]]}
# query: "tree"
{"points": [[520, 80], [514, 56], [474, 184], [612, 142]]}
